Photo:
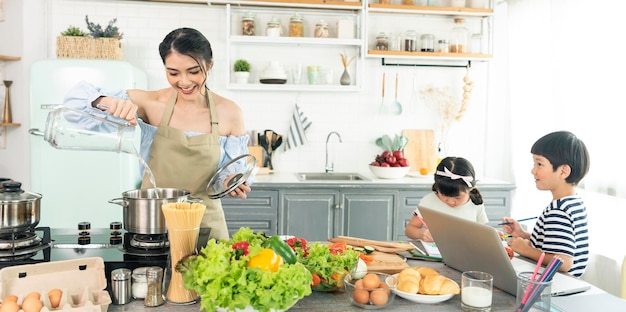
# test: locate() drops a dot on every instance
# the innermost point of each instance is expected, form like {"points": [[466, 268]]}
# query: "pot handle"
{"points": [[119, 201]]}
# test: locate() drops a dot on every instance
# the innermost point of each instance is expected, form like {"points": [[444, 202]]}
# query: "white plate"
{"points": [[421, 298]]}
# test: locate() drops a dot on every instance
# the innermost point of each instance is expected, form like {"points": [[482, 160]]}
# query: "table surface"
{"points": [[338, 301]]}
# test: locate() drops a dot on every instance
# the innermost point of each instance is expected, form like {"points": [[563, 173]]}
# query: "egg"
{"points": [[31, 304], [371, 280], [33, 294], [10, 298], [55, 297], [379, 297], [361, 296], [9, 306]]}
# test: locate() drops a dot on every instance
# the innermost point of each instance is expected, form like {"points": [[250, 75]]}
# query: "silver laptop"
{"points": [[470, 246]]}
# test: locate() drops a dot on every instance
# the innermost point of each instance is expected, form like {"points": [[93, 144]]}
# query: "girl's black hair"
{"points": [[564, 148], [453, 187], [190, 42]]}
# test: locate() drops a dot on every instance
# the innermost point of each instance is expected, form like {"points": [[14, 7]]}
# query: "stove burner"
{"points": [[19, 246], [18, 240], [145, 244]]}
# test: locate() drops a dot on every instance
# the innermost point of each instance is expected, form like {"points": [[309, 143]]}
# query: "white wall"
{"points": [[354, 115]]}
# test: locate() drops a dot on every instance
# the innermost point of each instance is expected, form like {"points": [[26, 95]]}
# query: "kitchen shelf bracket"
{"points": [[469, 64]]}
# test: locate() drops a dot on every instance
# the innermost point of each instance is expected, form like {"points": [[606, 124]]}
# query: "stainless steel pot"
{"points": [[142, 208], [19, 210]]}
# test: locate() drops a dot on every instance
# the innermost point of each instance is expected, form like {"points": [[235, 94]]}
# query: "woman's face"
{"points": [[454, 201], [184, 74]]}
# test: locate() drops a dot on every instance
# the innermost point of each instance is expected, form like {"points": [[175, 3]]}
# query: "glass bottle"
{"points": [[247, 24], [154, 293], [395, 42], [273, 28], [427, 43], [459, 37], [295, 26], [140, 283], [444, 46], [321, 30], [410, 41], [477, 43], [382, 41]]}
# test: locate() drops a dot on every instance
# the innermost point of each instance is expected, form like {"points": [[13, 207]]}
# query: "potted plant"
{"points": [[98, 43], [242, 71]]}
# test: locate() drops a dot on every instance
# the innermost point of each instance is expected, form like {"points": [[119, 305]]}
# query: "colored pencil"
{"points": [[532, 278], [520, 220]]}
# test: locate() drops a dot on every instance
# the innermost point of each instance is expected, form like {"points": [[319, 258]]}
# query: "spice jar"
{"points": [[247, 24], [428, 43], [121, 286], [382, 42], [273, 28], [410, 41], [444, 46], [321, 30], [140, 283], [295, 26], [458, 39], [154, 294]]}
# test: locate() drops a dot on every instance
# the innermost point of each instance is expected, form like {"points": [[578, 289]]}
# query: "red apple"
{"points": [[385, 165], [398, 154]]}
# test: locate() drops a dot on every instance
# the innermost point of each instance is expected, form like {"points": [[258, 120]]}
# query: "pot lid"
{"points": [[11, 191], [239, 169]]}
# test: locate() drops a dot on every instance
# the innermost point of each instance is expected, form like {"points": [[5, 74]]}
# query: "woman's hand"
{"points": [[241, 191], [124, 109]]}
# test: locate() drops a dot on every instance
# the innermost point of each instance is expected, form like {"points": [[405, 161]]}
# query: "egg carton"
{"points": [[82, 282]]}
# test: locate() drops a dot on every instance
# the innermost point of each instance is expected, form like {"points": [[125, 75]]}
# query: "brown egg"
{"points": [[10, 298], [379, 297], [31, 304], [55, 297], [371, 280], [33, 294], [9, 306], [361, 296]]}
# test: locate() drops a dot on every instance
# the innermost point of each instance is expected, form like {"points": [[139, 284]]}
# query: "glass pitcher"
{"points": [[71, 129]]}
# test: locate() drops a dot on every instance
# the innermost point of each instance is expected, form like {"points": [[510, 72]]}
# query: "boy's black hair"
{"points": [[453, 187], [564, 148]]}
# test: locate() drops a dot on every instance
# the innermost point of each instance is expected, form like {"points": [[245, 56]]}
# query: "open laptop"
{"points": [[470, 246]]}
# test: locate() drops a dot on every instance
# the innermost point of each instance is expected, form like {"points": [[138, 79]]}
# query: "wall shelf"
{"points": [[9, 58], [10, 124]]}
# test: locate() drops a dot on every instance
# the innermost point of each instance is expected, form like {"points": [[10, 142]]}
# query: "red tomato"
{"points": [[375, 163], [337, 248], [509, 251], [386, 154], [403, 162]]}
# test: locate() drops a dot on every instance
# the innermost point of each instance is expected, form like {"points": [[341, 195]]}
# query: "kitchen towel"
{"points": [[297, 129]]}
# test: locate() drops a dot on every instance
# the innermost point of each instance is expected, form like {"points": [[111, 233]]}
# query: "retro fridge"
{"points": [[76, 186]]}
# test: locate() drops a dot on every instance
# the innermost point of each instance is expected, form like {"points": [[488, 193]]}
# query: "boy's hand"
{"points": [[512, 227], [519, 245]]}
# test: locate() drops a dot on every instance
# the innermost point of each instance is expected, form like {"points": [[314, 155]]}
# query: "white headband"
{"points": [[447, 173]]}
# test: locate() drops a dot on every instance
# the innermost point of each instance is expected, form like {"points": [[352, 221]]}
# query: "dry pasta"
{"points": [[183, 225]]}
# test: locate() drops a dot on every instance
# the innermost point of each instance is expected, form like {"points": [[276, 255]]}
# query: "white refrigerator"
{"points": [[76, 186]]}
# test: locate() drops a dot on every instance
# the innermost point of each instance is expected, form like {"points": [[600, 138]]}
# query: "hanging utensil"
{"points": [[396, 107], [383, 108]]}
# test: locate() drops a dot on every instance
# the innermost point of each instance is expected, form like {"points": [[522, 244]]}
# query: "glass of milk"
{"points": [[476, 291]]}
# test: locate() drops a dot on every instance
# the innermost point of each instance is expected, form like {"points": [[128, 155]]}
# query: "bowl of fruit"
{"points": [[390, 165]]}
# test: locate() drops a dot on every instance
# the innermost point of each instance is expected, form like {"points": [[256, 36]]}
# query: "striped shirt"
{"points": [[562, 229]]}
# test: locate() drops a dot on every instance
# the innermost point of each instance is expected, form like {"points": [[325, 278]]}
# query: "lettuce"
{"points": [[224, 282]]}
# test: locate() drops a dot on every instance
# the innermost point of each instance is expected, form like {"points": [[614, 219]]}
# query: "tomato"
{"points": [[391, 160], [337, 248], [386, 154], [403, 162], [385, 164]]}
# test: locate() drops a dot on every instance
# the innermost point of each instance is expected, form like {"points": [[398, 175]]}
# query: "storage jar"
{"points": [[459, 37], [247, 24], [477, 44], [443, 46], [295, 26], [382, 42], [321, 30], [140, 283], [410, 41], [427, 43], [273, 28]]}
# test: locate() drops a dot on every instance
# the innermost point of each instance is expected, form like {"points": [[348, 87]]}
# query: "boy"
{"points": [[561, 160]]}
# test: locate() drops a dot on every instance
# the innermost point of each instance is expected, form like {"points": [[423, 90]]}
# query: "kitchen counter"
{"points": [[338, 301]]}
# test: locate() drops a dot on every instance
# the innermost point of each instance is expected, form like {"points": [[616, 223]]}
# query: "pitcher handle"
{"points": [[36, 132]]}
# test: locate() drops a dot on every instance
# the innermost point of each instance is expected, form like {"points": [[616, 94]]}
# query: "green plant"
{"points": [[96, 31], [74, 31], [242, 66]]}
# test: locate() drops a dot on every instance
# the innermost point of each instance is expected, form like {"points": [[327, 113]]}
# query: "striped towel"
{"points": [[297, 129]]}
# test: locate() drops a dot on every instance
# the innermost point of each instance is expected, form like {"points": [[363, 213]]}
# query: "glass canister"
{"points": [[459, 37], [427, 43], [476, 44], [154, 293], [247, 24], [273, 28], [295, 26], [410, 41], [443, 46], [140, 283], [395, 41], [321, 30], [382, 41]]}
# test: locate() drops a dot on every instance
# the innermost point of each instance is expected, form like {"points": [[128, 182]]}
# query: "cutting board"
{"points": [[420, 151], [386, 263]]}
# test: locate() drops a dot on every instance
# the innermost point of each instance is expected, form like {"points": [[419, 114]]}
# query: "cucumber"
{"points": [[359, 249], [368, 249]]}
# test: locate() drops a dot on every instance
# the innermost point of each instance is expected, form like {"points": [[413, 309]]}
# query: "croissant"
{"points": [[438, 285]]}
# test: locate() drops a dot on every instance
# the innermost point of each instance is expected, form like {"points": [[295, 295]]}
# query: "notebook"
{"points": [[470, 246]]}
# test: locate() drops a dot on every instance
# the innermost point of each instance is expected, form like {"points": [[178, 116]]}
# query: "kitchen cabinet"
{"points": [[260, 49], [259, 211], [4, 125], [317, 214], [438, 21]]}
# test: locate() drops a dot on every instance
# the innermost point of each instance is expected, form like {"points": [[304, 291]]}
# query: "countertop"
{"points": [[339, 301]]}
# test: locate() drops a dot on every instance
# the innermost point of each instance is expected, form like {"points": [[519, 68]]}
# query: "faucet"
{"points": [[330, 167]]}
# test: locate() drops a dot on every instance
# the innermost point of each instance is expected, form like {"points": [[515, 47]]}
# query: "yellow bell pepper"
{"points": [[266, 260]]}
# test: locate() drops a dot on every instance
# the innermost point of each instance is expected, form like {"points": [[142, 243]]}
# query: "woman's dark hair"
{"points": [[564, 148], [452, 187], [190, 42]]}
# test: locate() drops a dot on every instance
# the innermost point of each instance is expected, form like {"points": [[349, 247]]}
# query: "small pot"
{"points": [[142, 208], [20, 210]]}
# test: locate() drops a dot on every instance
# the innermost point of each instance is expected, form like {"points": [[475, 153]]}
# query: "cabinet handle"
{"points": [[338, 206]]}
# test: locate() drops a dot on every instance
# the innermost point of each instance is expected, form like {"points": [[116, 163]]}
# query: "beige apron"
{"points": [[182, 162]]}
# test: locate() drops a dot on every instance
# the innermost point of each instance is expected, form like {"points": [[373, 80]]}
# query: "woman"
{"points": [[187, 131]]}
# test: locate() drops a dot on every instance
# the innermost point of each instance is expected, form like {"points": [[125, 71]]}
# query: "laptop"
{"points": [[470, 246]]}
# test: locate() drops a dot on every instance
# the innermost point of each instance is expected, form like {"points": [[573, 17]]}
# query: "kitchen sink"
{"points": [[330, 176]]}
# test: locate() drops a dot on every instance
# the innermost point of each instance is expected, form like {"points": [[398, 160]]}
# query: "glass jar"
{"points": [[382, 41], [247, 24], [295, 26], [140, 283], [459, 37], [427, 43], [321, 30], [476, 44], [443, 46], [410, 41], [395, 42], [154, 293], [273, 28]]}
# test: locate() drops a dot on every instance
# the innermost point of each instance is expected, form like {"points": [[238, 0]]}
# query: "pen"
{"points": [[421, 219], [418, 249], [520, 220]]}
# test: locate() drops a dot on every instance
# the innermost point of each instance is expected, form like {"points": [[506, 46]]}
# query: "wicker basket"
{"points": [[90, 48]]}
